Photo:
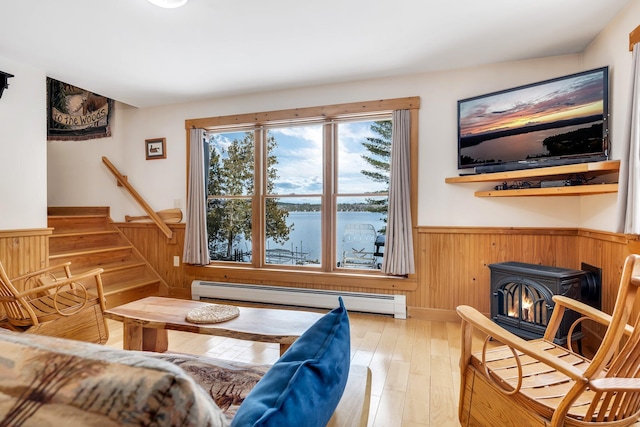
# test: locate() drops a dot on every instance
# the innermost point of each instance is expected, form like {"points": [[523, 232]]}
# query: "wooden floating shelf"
{"points": [[553, 172], [574, 190]]}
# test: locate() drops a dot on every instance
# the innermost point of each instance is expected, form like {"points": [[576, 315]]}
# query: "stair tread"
{"points": [[88, 251], [131, 284], [109, 267], [82, 233], [79, 216], [91, 240]]}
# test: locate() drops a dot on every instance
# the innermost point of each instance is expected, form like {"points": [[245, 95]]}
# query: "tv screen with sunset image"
{"points": [[559, 118]]}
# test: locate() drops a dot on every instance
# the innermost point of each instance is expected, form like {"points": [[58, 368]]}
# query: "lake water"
{"points": [[303, 246], [515, 147]]}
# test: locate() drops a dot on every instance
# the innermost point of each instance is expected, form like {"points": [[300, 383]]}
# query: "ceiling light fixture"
{"points": [[169, 4]]}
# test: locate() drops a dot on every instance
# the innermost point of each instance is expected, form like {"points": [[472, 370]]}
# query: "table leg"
{"points": [[137, 337], [155, 340], [283, 348], [132, 335]]}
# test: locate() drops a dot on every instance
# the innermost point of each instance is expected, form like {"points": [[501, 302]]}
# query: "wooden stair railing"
{"points": [[122, 180]]}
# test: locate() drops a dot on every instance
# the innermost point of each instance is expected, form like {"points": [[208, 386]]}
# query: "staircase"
{"points": [[87, 237]]}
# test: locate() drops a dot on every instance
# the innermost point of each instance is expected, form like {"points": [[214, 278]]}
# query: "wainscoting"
{"points": [[451, 264], [453, 261], [22, 251]]}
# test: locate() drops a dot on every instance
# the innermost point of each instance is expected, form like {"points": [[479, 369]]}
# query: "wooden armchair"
{"points": [[539, 383], [62, 306]]}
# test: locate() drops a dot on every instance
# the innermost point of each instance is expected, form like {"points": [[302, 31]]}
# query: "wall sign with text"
{"points": [[75, 114]]}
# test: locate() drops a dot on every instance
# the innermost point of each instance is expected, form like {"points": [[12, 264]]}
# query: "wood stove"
{"points": [[521, 297]]}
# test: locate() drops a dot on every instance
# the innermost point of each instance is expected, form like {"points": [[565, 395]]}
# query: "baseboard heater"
{"points": [[316, 298]]}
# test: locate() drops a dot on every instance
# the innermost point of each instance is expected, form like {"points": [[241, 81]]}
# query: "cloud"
{"points": [[299, 152]]}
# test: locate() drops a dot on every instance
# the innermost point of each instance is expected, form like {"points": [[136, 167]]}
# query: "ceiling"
{"points": [[142, 55]]}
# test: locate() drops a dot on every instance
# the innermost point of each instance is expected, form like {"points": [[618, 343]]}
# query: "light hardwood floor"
{"points": [[414, 364]]}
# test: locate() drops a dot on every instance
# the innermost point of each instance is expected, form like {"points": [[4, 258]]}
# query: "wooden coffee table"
{"points": [[146, 322]]}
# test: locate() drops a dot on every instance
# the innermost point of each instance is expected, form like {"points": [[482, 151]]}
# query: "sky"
{"points": [[542, 103], [300, 163]]}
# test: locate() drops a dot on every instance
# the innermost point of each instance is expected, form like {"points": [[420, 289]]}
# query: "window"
{"points": [[301, 189]]}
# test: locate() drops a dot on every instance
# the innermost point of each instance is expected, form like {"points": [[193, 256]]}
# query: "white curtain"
{"points": [[628, 207], [196, 248], [398, 248]]}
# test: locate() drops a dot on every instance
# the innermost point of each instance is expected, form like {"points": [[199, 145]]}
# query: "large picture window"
{"points": [[305, 192], [295, 194]]}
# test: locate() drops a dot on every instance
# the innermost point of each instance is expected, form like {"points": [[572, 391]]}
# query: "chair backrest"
{"points": [[358, 245], [14, 306], [618, 356], [359, 238]]}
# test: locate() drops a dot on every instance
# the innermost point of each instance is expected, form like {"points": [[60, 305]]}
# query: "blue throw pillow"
{"points": [[305, 385]]}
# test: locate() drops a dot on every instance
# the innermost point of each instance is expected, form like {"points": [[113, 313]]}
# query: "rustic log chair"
{"points": [[57, 306], [539, 383]]}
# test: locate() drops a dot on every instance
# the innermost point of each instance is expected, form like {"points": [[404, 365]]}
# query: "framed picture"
{"points": [[156, 148]]}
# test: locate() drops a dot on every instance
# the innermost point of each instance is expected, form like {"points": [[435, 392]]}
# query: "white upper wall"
{"points": [[612, 47], [23, 149], [163, 182], [77, 175]]}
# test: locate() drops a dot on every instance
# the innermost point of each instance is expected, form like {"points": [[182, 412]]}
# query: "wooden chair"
{"points": [[40, 302], [539, 383]]}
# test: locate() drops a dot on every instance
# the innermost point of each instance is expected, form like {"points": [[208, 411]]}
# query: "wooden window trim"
{"points": [[327, 112]]}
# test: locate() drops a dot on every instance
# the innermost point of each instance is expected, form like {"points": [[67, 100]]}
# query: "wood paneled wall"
{"points": [[160, 252], [451, 263], [22, 251]]}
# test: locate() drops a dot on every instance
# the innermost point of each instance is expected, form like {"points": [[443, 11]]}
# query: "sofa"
{"points": [[47, 381]]}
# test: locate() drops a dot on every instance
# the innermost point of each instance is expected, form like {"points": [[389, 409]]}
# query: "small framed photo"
{"points": [[156, 148]]}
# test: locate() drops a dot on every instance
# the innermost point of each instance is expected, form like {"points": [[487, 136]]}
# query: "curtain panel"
{"points": [[398, 252], [196, 246], [628, 185]]}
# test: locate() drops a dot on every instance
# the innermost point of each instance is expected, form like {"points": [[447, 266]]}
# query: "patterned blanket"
{"points": [[48, 381], [227, 382]]}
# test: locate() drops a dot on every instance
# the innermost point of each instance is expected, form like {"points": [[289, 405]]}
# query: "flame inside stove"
{"points": [[526, 313]]}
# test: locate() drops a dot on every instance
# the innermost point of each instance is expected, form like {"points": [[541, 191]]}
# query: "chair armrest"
{"points": [[42, 271], [615, 384], [61, 282], [588, 311], [482, 323]]}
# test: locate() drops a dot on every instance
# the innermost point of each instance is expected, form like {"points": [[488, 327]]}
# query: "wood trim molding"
{"points": [[25, 232], [499, 230], [609, 236], [634, 37], [582, 232], [134, 224], [326, 111]]}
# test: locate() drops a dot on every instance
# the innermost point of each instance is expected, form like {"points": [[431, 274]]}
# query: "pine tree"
{"points": [[230, 219], [380, 160]]}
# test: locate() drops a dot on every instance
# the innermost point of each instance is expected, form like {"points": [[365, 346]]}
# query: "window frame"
{"points": [[369, 110]]}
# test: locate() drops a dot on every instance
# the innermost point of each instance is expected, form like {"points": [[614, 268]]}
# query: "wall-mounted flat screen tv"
{"points": [[558, 121]]}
